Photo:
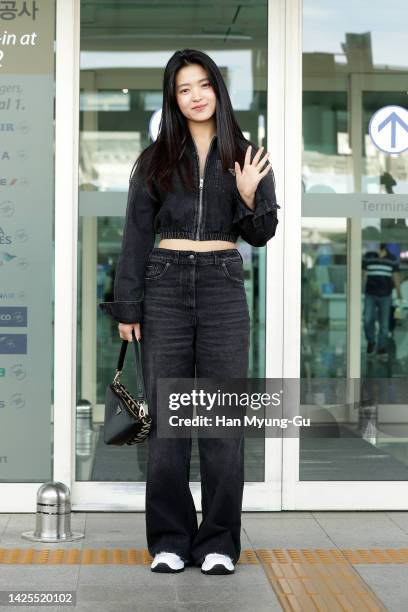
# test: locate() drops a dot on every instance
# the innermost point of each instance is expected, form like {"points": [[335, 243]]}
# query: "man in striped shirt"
{"points": [[381, 273]]}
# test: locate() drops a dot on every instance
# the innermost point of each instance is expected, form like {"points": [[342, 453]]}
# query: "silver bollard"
{"points": [[53, 520]]}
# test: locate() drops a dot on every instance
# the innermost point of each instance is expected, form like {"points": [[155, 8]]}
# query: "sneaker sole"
{"points": [[163, 568], [218, 569]]}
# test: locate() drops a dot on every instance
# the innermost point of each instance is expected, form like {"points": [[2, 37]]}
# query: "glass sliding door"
{"points": [[354, 268], [124, 48]]}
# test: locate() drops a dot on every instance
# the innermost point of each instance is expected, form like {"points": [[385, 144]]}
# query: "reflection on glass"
{"points": [[353, 65], [344, 47], [120, 81], [381, 172], [327, 164], [324, 312]]}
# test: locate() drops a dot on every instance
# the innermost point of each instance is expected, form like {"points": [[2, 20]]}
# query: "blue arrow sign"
{"points": [[393, 119], [388, 129]]}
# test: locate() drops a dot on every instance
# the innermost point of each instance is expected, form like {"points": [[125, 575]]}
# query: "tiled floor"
{"points": [[135, 587]]}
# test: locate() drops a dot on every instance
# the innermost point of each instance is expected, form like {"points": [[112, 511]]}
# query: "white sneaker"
{"points": [[167, 562], [214, 563]]}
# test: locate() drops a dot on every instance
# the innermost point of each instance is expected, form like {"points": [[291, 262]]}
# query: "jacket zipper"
{"points": [[200, 206], [201, 183]]}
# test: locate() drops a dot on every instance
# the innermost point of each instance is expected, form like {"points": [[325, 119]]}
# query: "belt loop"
{"points": [[215, 257], [177, 256]]}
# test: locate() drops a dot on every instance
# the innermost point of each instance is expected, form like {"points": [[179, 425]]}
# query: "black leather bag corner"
{"points": [[126, 418]]}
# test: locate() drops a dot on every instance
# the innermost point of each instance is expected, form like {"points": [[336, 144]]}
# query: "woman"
{"points": [[200, 185]]}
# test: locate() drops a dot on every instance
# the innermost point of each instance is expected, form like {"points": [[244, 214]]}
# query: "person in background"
{"points": [[380, 275]]}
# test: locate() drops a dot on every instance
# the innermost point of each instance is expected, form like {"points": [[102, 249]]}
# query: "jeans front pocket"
{"points": [[156, 269], [234, 271]]}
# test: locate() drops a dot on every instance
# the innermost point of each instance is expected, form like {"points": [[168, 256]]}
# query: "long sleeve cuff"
{"points": [[262, 206], [257, 226], [123, 312]]}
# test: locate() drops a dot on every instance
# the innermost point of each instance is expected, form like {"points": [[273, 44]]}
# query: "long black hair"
{"points": [[168, 152]]}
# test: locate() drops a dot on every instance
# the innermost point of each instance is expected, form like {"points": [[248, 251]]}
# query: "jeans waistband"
{"points": [[199, 257]]}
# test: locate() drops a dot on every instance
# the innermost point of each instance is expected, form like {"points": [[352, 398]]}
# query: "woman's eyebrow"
{"points": [[199, 81]]}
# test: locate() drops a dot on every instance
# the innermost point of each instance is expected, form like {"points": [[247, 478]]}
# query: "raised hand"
{"points": [[252, 172]]}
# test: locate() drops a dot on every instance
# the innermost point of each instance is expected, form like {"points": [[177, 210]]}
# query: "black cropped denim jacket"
{"points": [[215, 211]]}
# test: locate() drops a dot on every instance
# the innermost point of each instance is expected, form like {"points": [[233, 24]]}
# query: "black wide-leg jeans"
{"points": [[195, 323]]}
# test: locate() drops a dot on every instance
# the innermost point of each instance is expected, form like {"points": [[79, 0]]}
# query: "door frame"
{"points": [[258, 496]]}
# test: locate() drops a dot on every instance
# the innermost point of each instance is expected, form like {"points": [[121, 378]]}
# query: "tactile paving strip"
{"points": [[69, 556], [304, 580], [91, 556], [320, 580]]}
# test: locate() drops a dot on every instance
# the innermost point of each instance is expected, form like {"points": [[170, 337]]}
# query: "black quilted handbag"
{"points": [[126, 418]]}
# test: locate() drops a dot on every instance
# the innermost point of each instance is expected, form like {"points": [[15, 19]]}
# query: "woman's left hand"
{"points": [[252, 173]]}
